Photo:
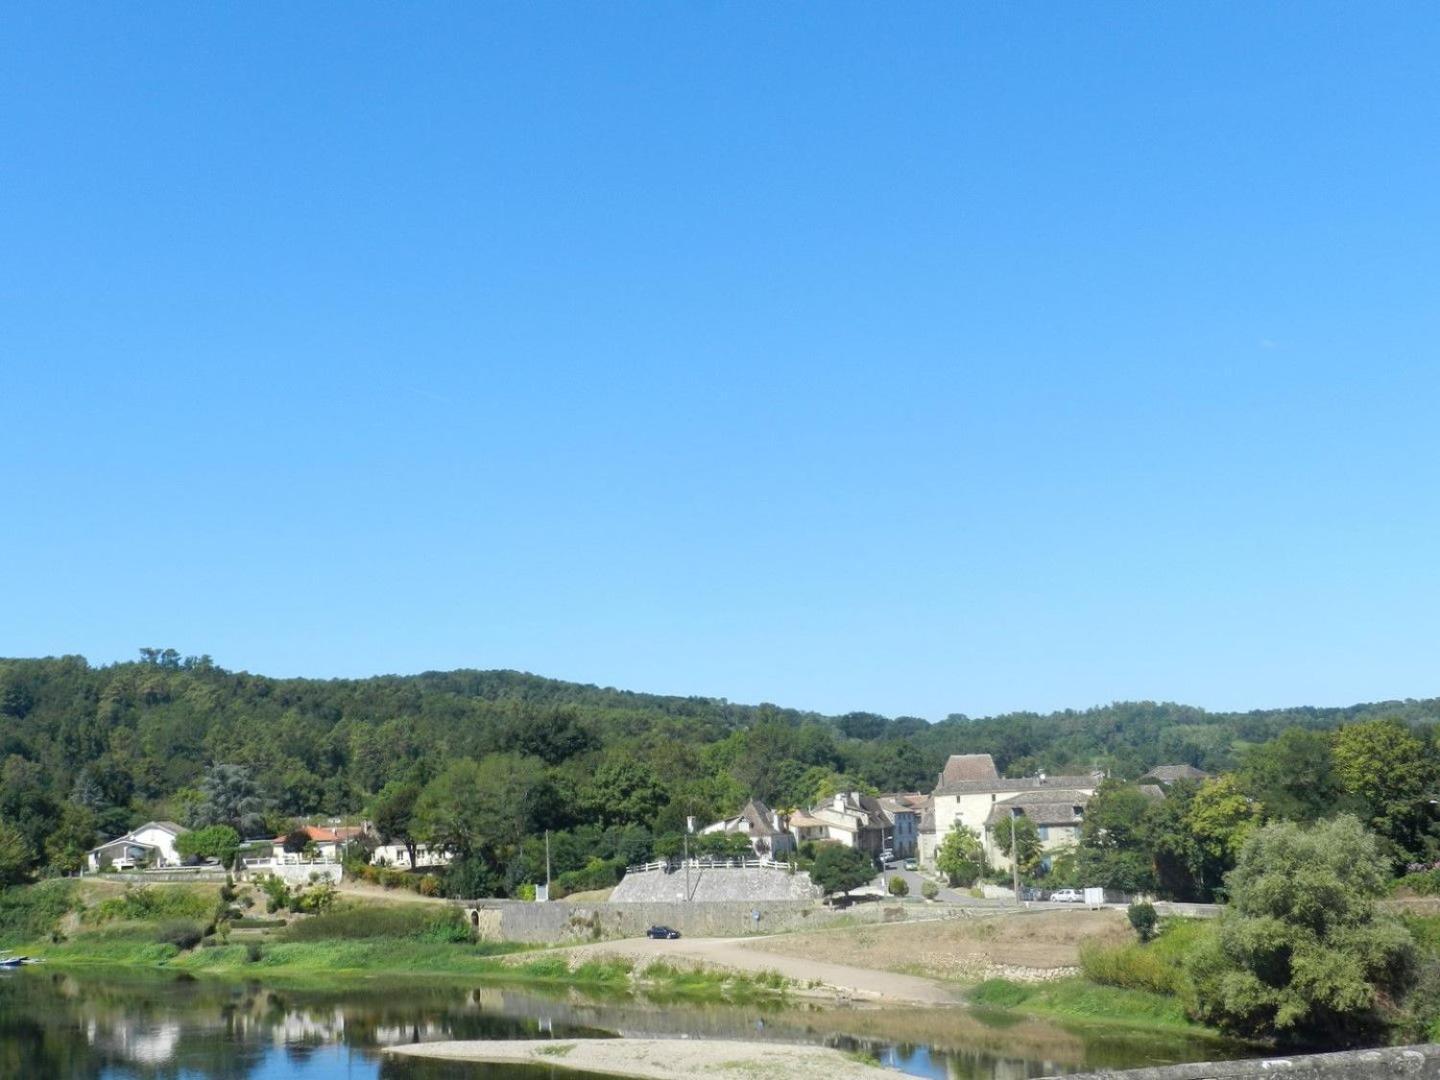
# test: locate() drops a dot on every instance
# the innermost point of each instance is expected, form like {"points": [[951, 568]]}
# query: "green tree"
{"points": [[897, 886], [218, 842], [1292, 775], [230, 796], [393, 814], [1302, 953], [1385, 764], [16, 860], [838, 869], [1220, 818], [482, 811], [960, 856], [66, 847], [1018, 838], [623, 790], [1115, 845]]}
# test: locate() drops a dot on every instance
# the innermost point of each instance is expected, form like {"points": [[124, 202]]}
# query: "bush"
{"points": [[182, 933], [1423, 879], [898, 887], [150, 902], [929, 890], [418, 922], [1130, 967], [1143, 918], [253, 952], [1303, 953], [32, 912]]}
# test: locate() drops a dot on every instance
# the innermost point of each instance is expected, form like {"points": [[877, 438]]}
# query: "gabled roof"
{"points": [[164, 826], [960, 767], [1168, 774], [757, 815], [1152, 791]]}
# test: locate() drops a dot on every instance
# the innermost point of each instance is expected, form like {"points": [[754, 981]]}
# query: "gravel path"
{"points": [[660, 1059], [750, 955]]}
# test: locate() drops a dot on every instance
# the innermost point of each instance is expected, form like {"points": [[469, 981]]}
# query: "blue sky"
{"points": [[942, 358]]}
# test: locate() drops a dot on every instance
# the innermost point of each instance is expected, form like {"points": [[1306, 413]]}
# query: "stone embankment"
{"points": [[715, 884], [561, 923], [1416, 1062]]}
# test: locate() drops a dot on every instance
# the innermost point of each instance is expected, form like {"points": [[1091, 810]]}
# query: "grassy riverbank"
{"points": [[184, 928]]}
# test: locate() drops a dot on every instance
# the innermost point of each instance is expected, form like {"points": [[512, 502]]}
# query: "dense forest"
{"points": [[89, 751]]}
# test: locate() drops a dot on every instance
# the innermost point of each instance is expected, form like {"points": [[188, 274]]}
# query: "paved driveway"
{"points": [[915, 880]]}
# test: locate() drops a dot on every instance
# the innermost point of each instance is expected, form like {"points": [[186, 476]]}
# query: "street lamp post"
{"points": [[1015, 850]]}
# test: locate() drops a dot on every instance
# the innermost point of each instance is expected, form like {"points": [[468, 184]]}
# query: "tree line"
{"points": [[483, 762]]}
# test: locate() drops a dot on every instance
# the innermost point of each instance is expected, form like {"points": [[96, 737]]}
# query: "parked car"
{"points": [[911, 864], [664, 932], [1067, 896], [1029, 892]]}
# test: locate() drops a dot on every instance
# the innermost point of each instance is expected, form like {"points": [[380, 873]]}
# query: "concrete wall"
{"points": [[710, 884], [532, 923], [299, 873], [1419, 1062]]}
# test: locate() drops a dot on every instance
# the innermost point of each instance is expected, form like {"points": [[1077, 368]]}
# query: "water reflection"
{"points": [[55, 1024]]}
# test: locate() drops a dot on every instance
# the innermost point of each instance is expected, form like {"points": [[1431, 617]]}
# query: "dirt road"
{"points": [[750, 955]]}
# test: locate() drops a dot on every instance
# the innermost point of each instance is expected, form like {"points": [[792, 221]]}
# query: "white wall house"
{"points": [[762, 826], [152, 844], [397, 857], [970, 790]]}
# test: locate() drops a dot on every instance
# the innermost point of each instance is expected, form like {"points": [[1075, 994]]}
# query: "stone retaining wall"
{"points": [[714, 884], [559, 923], [1418, 1062]]}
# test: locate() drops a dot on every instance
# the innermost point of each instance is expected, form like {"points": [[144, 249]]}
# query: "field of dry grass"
{"points": [[1024, 945]]}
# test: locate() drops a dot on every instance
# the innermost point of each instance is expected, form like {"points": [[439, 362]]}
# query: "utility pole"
{"points": [[685, 841], [1015, 850], [547, 864]]}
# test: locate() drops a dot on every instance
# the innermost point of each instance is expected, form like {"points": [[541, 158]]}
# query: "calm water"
{"points": [[55, 1024]]}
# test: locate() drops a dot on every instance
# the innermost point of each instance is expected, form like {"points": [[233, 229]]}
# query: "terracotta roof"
{"points": [[1168, 774], [968, 767], [1022, 783], [313, 832]]}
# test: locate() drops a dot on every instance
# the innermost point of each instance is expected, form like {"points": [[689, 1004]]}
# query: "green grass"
{"points": [[150, 902], [1080, 999], [32, 912], [1156, 968]]}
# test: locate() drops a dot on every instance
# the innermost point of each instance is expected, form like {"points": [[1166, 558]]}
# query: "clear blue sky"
{"points": [[919, 359]]}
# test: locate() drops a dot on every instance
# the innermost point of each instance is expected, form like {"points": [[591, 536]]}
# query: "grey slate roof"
{"points": [[1168, 774], [1059, 807], [960, 767], [1024, 783]]}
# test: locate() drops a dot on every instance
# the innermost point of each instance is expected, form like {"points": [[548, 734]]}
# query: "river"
{"points": [[57, 1024]]}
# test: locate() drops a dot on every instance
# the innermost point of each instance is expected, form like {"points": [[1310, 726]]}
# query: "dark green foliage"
{"points": [[1143, 919], [418, 922], [897, 886], [31, 913], [88, 751], [218, 842], [838, 869], [182, 933], [1303, 952]]}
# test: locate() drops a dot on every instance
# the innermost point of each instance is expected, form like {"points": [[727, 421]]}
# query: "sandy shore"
{"points": [[660, 1059]]}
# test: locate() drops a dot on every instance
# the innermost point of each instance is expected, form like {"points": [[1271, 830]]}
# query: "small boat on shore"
{"points": [[19, 961]]}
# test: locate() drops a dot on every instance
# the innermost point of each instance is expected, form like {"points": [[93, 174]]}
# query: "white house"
{"points": [[397, 857], [761, 826], [327, 844], [972, 793], [852, 819], [152, 844]]}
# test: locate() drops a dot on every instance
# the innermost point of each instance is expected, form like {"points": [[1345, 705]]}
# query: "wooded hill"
{"points": [[113, 745]]}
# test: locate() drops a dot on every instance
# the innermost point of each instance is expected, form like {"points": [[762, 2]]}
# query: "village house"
{"points": [[904, 809], [762, 826], [971, 792], [151, 844], [397, 857], [324, 844], [849, 818]]}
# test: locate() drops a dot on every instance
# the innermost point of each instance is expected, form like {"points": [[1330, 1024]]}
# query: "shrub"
{"points": [[898, 887], [1130, 967], [253, 952], [419, 922], [929, 890], [182, 933], [1303, 953], [1143, 918], [1423, 879], [149, 902], [33, 912]]}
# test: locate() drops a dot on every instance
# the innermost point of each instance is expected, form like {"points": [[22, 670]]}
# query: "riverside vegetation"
{"points": [[481, 764]]}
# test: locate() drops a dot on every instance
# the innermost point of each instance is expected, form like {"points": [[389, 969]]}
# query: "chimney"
{"points": [[690, 824], [839, 800]]}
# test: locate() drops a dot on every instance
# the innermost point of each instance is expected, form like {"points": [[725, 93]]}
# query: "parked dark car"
{"points": [[662, 932], [1029, 893]]}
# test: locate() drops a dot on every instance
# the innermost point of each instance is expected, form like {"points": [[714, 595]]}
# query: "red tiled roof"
{"points": [[313, 832]]}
